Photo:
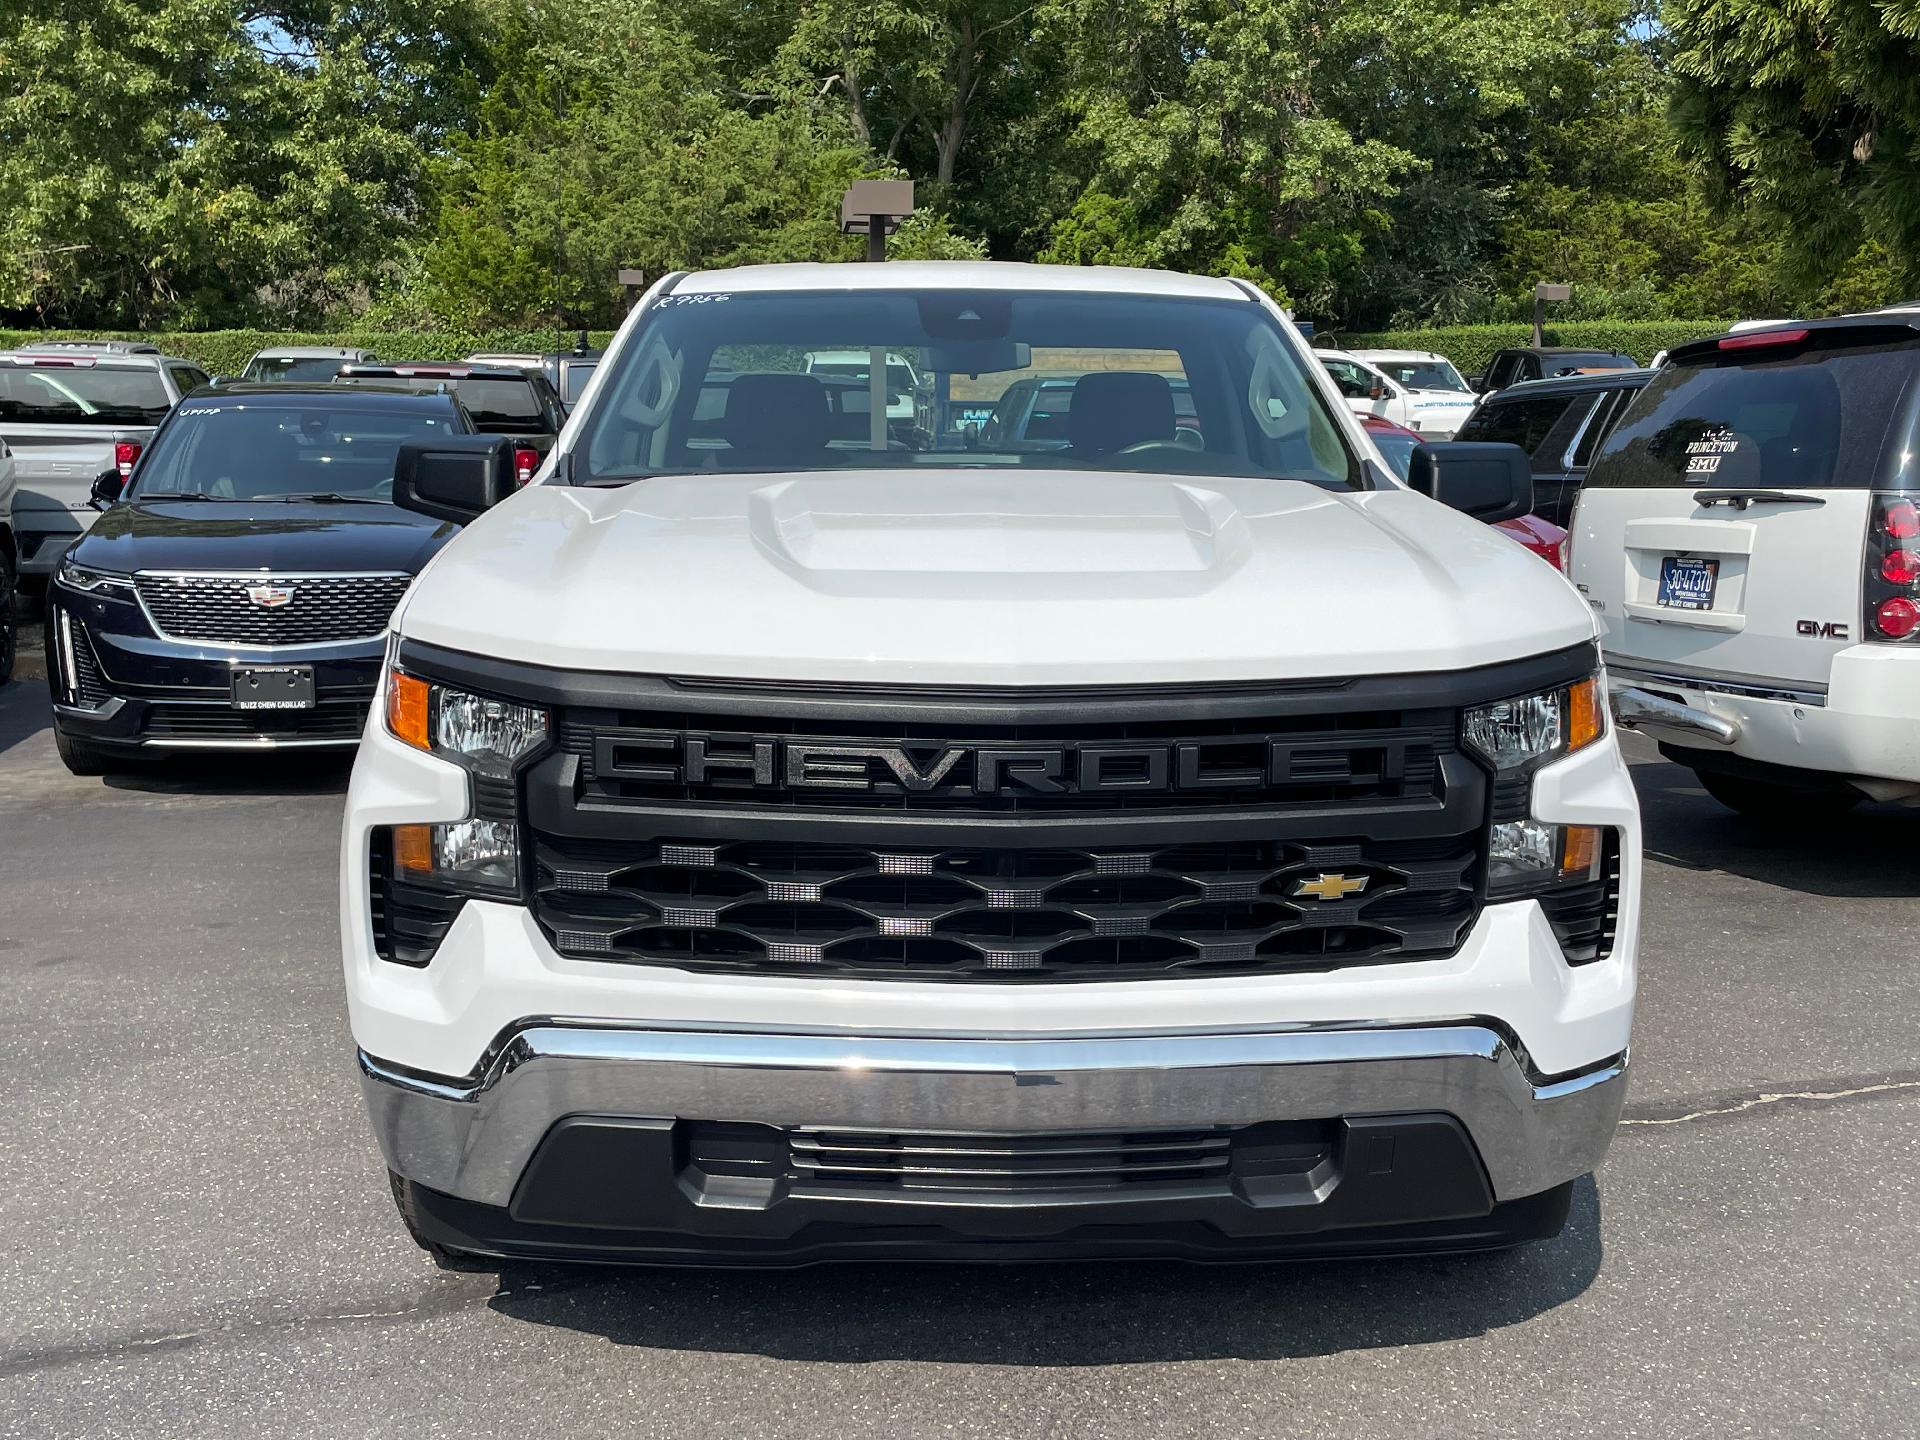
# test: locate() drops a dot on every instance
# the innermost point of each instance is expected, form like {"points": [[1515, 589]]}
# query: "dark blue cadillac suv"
{"points": [[236, 595]]}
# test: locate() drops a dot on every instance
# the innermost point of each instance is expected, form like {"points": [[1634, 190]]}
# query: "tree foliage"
{"points": [[1808, 112], [198, 162], [469, 164]]}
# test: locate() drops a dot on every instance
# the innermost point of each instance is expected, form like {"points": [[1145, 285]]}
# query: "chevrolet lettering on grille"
{"points": [[937, 768]]}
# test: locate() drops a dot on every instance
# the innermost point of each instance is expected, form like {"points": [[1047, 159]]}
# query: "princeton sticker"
{"points": [[1705, 454]]}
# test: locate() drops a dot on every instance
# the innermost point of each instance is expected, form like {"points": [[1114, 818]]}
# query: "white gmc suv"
{"points": [[786, 836], [1749, 539]]}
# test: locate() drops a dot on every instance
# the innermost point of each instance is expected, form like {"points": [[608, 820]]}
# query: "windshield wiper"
{"points": [[328, 497], [175, 495], [1741, 499]]}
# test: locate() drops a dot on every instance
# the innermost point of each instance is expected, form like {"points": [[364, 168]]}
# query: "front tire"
{"points": [[1776, 803], [79, 757]]}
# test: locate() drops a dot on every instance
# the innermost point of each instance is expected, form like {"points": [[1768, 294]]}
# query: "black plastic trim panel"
{"points": [[999, 705]]}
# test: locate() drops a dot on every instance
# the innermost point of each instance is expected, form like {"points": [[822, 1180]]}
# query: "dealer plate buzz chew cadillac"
{"points": [[791, 834]]}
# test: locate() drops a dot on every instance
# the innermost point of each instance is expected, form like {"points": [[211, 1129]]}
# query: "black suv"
{"points": [[501, 399], [1545, 362], [1560, 424], [236, 595]]}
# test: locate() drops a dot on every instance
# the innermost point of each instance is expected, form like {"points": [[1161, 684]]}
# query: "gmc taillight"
{"points": [[525, 462], [125, 452], [1891, 593]]}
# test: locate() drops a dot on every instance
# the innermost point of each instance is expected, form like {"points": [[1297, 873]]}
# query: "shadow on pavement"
{"points": [[24, 712], [1865, 853], [268, 773], [1066, 1315]]}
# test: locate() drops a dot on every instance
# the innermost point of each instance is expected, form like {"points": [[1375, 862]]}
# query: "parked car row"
{"points": [[920, 664]]}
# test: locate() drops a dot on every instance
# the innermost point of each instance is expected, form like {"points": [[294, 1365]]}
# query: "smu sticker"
{"points": [[1705, 454]]}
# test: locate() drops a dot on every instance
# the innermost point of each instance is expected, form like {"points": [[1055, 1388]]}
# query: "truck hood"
{"points": [[975, 577], [286, 537]]}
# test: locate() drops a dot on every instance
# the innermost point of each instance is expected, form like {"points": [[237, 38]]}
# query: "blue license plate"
{"points": [[1687, 584]]}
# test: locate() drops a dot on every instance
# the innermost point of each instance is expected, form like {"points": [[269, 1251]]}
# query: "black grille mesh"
{"points": [[811, 1159], [341, 720], [317, 611], [1586, 917], [89, 686], [409, 922], [1005, 914]]}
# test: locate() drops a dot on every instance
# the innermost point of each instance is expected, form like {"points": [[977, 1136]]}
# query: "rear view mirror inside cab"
{"points": [[979, 357]]}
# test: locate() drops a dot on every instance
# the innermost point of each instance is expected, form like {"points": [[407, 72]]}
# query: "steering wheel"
{"points": [[1143, 447]]}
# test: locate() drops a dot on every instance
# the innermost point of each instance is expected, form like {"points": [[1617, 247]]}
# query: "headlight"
{"points": [[1527, 856], [491, 739], [82, 577], [488, 737], [482, 856], [1533, 729]]}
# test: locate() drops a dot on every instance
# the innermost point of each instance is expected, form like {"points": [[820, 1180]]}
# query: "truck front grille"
{"points": [[998, 835], [1006, 914], [263, 610]]}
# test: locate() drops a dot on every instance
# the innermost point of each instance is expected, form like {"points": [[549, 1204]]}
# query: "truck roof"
{"points": [[956, 275]]}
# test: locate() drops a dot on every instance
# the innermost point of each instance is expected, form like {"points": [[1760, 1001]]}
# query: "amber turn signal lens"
{"points": [[1580, 852], [413, 849], [1586, 715], [407, 710]]}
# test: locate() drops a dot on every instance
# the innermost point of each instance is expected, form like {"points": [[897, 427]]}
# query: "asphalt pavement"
{"points": [[198, 1239]]}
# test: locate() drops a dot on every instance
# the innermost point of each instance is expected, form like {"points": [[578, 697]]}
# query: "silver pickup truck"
{"points": [[69, 411]]}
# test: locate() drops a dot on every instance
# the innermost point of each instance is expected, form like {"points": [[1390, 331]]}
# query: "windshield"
{"points": [[293, 367], [68, 394], [1826, 418], [1396, 447], [1020, 380], [271, 452], [1422, 374]]}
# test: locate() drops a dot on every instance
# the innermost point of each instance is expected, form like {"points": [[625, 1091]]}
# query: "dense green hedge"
{"points": [[226, 352], [1470, 347]]}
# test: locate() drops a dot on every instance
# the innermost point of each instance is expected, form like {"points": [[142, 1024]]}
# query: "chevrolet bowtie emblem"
{"points": [[1330, 887], [270, 596]]}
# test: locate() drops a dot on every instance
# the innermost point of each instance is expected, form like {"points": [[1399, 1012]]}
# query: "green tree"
{"points": [[1808, 113], [199, 161], [611, 141]]}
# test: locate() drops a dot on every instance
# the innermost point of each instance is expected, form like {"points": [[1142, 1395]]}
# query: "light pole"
{"points": [[875, 208], [1542, 293]]}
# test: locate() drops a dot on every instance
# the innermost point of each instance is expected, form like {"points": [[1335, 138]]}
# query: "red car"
{"points": [[1542, 537]]}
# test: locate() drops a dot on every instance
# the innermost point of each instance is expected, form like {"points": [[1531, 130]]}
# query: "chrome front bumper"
{"points": [[472, 1137]]}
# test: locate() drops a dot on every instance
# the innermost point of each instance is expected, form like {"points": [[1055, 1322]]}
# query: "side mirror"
{"points": [[1489, 481], [458, 478], [107, 486]]}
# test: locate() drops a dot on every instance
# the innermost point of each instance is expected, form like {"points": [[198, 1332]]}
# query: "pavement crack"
{"points": [[1833, 1092], [440, 1299]]}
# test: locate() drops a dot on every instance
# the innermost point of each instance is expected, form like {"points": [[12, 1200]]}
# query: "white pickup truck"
{"points": [[777, 842], [72, 410]]}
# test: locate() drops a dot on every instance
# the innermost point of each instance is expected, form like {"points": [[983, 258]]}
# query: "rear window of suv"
{"points": [[63, 393], [1819, 419]]}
